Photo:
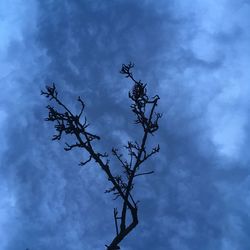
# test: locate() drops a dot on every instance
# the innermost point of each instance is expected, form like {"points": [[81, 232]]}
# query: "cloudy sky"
{"points": [[195, 54]]}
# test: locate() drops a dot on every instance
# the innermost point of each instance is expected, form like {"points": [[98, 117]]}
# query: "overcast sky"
{"points": [[194, 53]]}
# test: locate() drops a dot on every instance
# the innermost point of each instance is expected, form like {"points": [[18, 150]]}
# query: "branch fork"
{"points": [[66, 123]]}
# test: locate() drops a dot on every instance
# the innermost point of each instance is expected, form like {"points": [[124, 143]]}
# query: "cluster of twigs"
{"points": [[122, 185]]}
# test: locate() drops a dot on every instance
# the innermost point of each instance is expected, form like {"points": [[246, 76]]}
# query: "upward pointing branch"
{"points": [[66, 123]]}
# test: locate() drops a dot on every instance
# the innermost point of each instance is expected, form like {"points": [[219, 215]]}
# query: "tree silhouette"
{"points": [[122, 185]]}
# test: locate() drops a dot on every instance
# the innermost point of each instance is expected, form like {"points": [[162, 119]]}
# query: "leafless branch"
{"points": [[69, 147], [151, 172], [83, 163], [66, 123]]}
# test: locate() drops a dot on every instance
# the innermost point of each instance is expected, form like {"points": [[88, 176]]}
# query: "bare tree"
{"points": [[122, 185]]}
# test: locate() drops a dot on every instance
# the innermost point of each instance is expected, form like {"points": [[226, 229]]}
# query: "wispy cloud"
{"points": [[194, 54]]}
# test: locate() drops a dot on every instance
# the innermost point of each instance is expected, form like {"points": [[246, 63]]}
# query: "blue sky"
{"points": [[194, 54]]}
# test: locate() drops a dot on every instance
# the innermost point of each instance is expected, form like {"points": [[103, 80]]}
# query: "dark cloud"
{"points": [[197, 199]]}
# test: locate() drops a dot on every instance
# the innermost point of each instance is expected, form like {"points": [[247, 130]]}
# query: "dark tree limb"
{"points": [[145, 173], [66, 123]]}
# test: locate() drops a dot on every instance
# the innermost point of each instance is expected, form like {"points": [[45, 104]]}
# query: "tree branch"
{"points": [[122, 185], [145, 173]]}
